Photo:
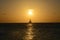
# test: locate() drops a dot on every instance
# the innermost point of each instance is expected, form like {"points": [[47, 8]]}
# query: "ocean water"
{"points": [[29, 31]]}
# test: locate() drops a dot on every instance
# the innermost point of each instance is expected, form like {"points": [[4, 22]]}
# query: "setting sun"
{"points": [[30, 12]]}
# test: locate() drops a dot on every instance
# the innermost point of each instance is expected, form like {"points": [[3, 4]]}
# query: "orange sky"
{"points": [[16, 11]]}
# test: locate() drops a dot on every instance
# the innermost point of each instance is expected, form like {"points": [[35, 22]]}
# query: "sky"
{"points": [[12, 11]]}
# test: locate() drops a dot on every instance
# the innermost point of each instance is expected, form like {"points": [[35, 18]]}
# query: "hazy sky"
{"points": [[16, 10]]}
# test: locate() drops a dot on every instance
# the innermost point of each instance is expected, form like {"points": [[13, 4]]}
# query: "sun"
{"points": [[30, 12]]}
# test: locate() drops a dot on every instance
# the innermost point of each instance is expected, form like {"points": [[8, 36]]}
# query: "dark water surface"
{"points": [[26, 31]]}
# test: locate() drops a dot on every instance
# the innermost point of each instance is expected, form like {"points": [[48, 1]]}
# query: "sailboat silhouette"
{"points": [[30, 21]]}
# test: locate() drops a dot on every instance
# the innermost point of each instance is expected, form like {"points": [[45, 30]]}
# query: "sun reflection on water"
{"points": [[29, 33]]}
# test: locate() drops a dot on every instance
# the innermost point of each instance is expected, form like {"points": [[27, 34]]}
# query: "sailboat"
{"points": [[30, 23]]}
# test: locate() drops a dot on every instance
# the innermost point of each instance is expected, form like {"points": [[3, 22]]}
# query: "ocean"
{"points": [[29, 31]]}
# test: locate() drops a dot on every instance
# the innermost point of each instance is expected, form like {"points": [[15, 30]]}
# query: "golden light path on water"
{"points": [[29, 33]]}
